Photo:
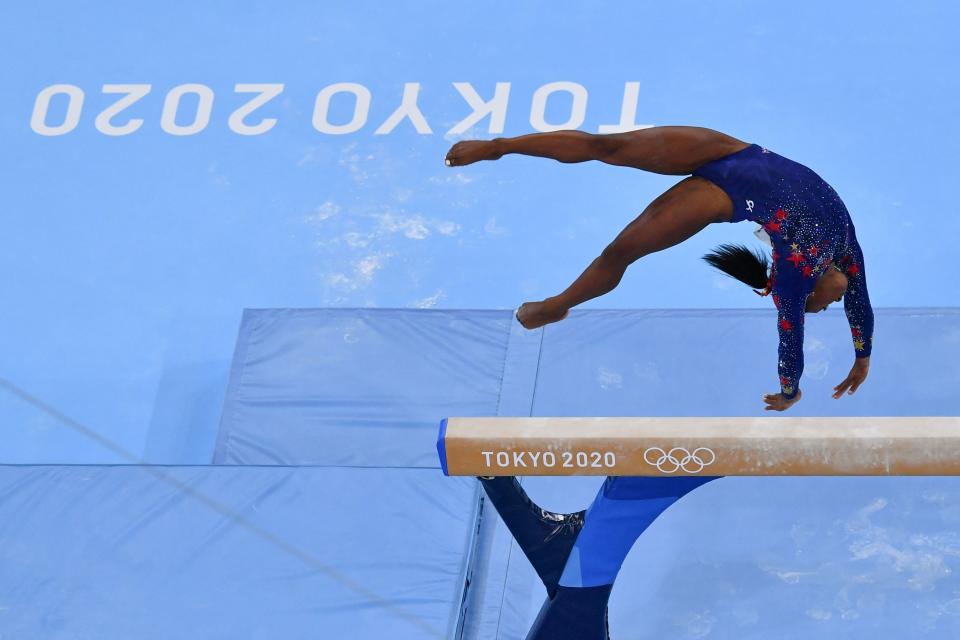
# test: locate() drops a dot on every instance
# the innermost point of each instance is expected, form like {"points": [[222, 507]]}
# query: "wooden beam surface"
{"points": [[730, 446]]}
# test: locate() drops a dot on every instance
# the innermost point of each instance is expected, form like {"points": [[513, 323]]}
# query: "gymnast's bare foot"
{"points": [[469, 151], [536, 314]]}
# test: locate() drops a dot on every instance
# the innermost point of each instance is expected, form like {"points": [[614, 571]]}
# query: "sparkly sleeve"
{"points": [[790, 289], [856, 301]]}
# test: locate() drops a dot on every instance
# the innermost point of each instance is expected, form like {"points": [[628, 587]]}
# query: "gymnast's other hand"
{"points": [[777, 401], [469, 151], [858, 373]]}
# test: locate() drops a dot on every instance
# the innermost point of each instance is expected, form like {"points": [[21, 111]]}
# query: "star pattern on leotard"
{"points": [[809, 229], [858, 343], [807, 254]]}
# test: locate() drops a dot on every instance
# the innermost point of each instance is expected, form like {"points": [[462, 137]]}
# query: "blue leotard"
{"points": [[810, 229]]}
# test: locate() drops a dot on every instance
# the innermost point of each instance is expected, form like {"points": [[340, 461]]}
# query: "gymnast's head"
{"points": [[830, 287], [751, 268]]}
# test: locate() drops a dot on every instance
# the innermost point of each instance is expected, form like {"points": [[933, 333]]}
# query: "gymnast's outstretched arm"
{"points": [[666, 150]]}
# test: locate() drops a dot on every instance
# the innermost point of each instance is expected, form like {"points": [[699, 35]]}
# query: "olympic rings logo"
{"points": [[679, 459]]}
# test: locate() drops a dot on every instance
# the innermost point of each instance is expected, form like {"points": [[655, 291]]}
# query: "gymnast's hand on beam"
{"points": [[858, 373], [469, 151], [777, 401]]}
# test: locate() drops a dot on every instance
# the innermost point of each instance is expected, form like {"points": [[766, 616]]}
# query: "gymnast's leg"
{"points": [[674, 151], [673, 217], [679, 213]]}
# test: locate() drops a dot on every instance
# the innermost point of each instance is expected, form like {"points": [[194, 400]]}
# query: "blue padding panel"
{"points": [[794, 558], [721, 362], [493, 596], [368, 386], [521, 368], [230, 552], [357, 386]]}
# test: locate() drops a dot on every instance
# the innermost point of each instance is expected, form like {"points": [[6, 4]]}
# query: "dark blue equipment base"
{"points": [[578, 555]]}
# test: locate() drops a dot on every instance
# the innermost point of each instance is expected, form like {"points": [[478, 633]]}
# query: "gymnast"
{"points": [[816, 258]]}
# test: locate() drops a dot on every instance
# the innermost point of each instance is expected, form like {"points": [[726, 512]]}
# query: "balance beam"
{"points": [[736, 446]]}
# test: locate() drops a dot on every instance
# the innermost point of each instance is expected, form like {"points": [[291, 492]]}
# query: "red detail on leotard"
{"points": [[772, 227]]}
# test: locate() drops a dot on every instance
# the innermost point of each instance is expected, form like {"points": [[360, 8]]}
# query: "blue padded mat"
{"points": [[299, 374], [95, 552], [357, 386], [368, 387]]}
